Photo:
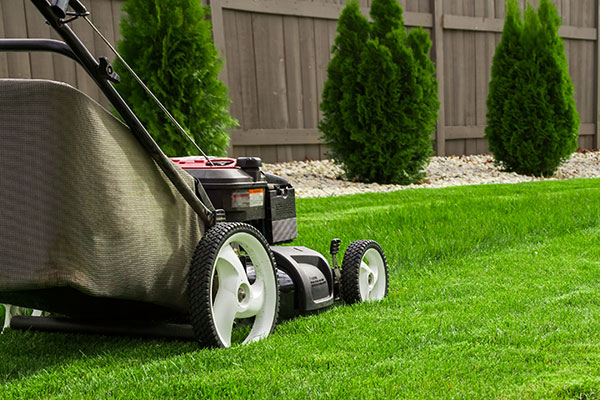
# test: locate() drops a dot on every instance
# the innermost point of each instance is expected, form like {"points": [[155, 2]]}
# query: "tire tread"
{"points": [[199, 280], [351, 268]]}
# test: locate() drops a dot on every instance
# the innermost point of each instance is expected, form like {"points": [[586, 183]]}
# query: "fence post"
{"points": [[216, 15], [438, 42], [597, 91]]}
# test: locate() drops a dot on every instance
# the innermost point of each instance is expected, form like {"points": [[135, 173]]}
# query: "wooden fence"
{"points": [[19, 18], [277, 53]]}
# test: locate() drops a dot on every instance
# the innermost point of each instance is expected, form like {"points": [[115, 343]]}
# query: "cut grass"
{"points": [[493, 293]]}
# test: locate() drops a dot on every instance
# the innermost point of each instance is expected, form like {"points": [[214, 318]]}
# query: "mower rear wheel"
{"points": [[364, 272], [223, 295]]}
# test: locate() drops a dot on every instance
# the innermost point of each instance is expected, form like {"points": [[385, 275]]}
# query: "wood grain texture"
{"points": [[270, 75], [117, 14], [277, 53], [322, 52], [293, 80], [247, 63], [261, 137], [438, 51], [234, 69], [216, 17], [293, 72], [64, 68], [270, 70], [15, 26], [596, 143], [477, 131], [3, 56], [42, 66], [308, 70]]}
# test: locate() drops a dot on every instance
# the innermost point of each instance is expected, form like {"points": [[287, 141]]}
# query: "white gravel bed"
{"points": [[322, 178]]}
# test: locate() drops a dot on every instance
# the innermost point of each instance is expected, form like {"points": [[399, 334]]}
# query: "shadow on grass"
{"points": [[27, 353]]}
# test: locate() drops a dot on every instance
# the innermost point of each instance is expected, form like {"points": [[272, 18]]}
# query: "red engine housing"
{"points": [[196, 162]]}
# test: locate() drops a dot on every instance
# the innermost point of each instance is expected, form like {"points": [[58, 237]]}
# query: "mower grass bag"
{"points": [[90, 227]]}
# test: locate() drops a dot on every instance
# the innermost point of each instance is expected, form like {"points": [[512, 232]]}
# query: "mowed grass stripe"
{"points": [[493, 293]]}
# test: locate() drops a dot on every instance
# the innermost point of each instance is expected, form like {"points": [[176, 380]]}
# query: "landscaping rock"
{"points": [[324, 178]]}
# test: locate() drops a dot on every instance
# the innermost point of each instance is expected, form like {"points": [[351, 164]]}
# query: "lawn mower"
{"points": [[101, 230]]}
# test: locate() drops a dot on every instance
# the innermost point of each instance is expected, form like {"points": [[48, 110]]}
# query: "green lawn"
{"points": [[493, 293]]}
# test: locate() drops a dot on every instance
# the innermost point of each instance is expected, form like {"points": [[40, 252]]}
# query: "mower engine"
{"points": [[247, 194], [267, 202]]}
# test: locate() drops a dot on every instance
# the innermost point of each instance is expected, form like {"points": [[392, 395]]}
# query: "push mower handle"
{"points": [[60, 7]]}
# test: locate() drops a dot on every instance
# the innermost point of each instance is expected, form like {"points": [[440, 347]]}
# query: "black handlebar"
{"points": [[55, 11]]}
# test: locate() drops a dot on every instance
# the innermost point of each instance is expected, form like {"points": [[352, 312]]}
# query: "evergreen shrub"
{"points": [[169, 45], [380, 100], [532, 123]]}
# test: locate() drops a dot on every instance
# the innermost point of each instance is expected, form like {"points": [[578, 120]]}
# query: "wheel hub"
{"points": [[371, 279], [243, 294]]}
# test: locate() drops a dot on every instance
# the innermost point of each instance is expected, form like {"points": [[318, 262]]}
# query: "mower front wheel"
{"points": [[364, 272], [233, 283]]}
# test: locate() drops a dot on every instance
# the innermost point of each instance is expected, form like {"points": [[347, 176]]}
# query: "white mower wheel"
{"points": [[221, 294], [364, 272]]}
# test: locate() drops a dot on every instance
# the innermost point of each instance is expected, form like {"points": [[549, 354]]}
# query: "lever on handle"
{"points": [[59, 7]]}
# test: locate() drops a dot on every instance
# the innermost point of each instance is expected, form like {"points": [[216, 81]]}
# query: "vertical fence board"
{"points": [[470, 72], [322, 56], [490, 49], [500, 8], [299, 152], [412, 5], [270, 75], [234, 69], [313, 152], [589, 65], [247, 71], [116, 14], [448, 100], [597, 77], [454, 69], [481, 69], [438, 44], [425, 6], [3, 59], [574, 54], [566, 16], [41, 63], [15, 26], [64, 68], [293, 77], [309, 75], [293, 72]]}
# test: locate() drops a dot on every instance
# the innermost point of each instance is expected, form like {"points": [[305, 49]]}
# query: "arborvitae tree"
{"points": [[169, 45], [380, 101], [341, 89], [532, 123]]}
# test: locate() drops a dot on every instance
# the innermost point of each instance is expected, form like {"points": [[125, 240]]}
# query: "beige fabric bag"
{"points": [[83, 206]]}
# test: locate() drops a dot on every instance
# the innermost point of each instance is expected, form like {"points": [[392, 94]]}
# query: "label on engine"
{"points": [[250, 198], [257, 197]]}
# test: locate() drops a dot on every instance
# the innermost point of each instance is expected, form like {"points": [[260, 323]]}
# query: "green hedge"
{"points": [[380, 100], [169, 45], [532, 123]]}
